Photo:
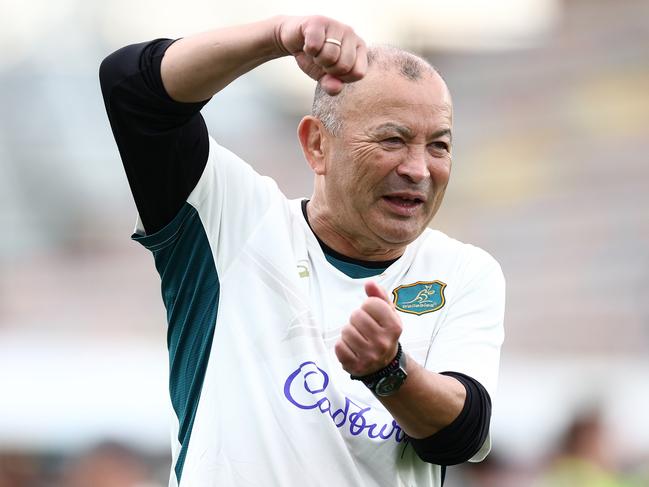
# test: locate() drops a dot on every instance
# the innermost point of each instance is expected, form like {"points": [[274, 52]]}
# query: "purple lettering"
{"points": [[314, 382], [342, 413]]}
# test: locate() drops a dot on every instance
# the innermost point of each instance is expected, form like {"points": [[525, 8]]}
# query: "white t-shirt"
{"points": [[259, 397]]}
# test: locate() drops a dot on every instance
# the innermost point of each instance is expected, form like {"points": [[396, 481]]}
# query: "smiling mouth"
{"points": [[405, 202], [402, 205]]}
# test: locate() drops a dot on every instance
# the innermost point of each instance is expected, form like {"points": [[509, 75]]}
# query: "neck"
{"points": [[348, 245]]}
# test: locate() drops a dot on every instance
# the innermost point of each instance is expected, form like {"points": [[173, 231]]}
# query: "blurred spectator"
{"points": [[20, 470], [494, 471], [638, 472], [108, 465], [585, 458]]}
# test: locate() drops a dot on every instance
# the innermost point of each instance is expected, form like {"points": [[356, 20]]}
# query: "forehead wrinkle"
{"points": [[406, 114], [443, 108]]}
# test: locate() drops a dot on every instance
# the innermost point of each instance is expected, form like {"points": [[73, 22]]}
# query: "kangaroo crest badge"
{"points": [[420, 297]]}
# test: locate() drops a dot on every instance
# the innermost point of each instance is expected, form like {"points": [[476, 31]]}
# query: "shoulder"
{"points": [[466, 259], [232, 178]]}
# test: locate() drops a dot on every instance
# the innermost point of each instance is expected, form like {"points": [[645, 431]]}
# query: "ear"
{"points": [[311, 134]]}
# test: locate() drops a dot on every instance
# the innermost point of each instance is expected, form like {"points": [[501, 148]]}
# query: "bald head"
{"points": [[382, 58], [382, 137]]}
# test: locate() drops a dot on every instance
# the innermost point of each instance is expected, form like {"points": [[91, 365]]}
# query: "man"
{"points": [[290, 363]]}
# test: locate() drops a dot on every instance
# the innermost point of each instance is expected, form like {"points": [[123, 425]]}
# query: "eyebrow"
{"points": [[407, 133], [442, 133], [400, 129]]}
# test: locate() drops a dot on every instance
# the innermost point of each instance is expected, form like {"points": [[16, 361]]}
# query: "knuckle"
{"points": [[310, 48], [321, 19], [385, 306], [314, 22], [371, 303], [356, 72], [396, 329], [382, 346], [345, 333], [343, 66], [347, 31], [327, 60], [339, 349], [378, 306], [314, 72], [356, 316]]}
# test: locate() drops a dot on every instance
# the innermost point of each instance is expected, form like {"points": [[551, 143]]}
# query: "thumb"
{"points": [[372, 289], [331, 85]]}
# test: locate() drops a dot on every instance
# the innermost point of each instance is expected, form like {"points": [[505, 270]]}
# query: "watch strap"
{"points": [[370, 380]]}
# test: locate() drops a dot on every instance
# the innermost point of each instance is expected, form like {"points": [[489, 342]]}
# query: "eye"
{"points": [[439, 146], [392, 142]]}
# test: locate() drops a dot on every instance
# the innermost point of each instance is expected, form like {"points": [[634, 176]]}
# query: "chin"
{"points": [[399, 235], [400, 230]]}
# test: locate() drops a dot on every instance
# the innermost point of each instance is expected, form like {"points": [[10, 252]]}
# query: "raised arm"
{"points": [[154, 91], [197, 67]]}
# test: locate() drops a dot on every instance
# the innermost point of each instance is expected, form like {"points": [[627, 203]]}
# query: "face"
{"points": [[387, 171]]}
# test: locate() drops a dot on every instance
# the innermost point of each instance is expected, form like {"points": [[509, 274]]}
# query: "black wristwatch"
{"points": [[389, 379]]}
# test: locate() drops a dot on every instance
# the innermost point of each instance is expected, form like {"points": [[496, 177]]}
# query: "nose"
{"points": [[415, 166]]}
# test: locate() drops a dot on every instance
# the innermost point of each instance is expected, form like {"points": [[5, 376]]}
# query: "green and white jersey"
{"points": [[254, 310]]}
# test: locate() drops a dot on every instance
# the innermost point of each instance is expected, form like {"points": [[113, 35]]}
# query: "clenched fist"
{"points": [[370, 340], [306, 38]]}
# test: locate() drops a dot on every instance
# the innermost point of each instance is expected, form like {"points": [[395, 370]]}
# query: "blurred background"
{"points": [[551, 176]]}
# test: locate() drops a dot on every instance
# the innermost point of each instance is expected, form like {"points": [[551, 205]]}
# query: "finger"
{"points": [[372, 289], [377, 307], [366, 326], [356, 342], [331, 85], [307, 65], [344, 353], [360, 68], [346, 57], [314, 38], [330, 52], [383, 313], [379, 342]]}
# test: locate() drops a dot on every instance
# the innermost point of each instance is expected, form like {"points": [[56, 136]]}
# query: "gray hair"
{"points": [[326, 108]]}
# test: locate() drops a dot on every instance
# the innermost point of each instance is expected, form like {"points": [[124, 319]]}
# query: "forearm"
{"points": [[445, 415], [426, 402], [196, 67]]}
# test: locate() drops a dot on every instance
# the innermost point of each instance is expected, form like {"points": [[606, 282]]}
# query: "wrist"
{"points": [[271, 45], [287, 35], [388, 380]]}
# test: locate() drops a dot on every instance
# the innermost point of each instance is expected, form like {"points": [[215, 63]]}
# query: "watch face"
{"points": [[390, 384]]}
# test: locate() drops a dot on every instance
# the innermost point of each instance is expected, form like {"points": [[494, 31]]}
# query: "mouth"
{"points": [[403, 204]]}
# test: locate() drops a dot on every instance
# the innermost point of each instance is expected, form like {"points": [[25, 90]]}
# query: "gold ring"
{"points": [[331, 40]]}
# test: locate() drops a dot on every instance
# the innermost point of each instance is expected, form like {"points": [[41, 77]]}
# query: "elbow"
{"points": [[451, 455], [109, 72], [118, 66], [463, 438], [104, 75]]}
